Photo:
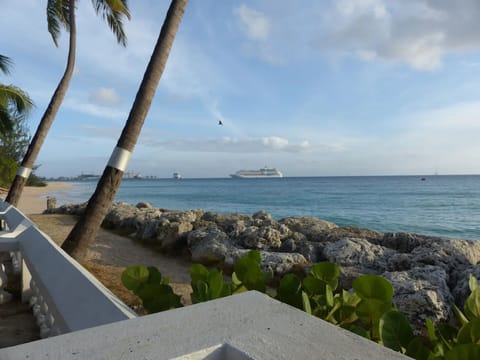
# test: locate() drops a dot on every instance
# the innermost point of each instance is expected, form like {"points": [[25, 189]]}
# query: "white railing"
{"points": [[63, 295]]}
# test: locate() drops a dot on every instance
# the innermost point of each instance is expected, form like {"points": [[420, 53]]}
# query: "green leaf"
{"points": [[329, 295], [472, 305], [198, 272], [469, 333], [154, 275], [417, 349], [350, 299], [215, 283], [247, 270], [431, 329], [472, 282], [314, 286], [290, 291], [327, 271], [448, 334], [235, 280], [200, 292], [158, 297], [358, 330], [134, 276], [464, 352], [395, 330], [460, 315], [306, 303], [369, 311], [373, 287]]}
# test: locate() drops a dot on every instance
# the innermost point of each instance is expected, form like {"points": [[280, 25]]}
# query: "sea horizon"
{"points": [[440, 205]]}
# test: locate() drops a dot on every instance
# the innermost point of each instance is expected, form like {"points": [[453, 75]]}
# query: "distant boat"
{"points": [[86, 177], [132, 175], [423, 179], [177, 176], [257, 174]]}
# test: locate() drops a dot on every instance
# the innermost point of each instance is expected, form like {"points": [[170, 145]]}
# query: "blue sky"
{"points": [[313, 88]]}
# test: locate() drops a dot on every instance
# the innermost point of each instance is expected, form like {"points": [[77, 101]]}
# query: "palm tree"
{"points": [[86, 229], [14, 101], [62, 13]]}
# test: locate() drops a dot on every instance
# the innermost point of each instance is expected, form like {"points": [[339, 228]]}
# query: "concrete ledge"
{"points": [[245, 326], [63, 295]]}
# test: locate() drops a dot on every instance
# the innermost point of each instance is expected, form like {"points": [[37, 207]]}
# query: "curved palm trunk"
{"points": [[47, 119], [86, 229]]}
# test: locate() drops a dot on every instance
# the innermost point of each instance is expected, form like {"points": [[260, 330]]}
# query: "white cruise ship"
{"points": [[256, 174]]}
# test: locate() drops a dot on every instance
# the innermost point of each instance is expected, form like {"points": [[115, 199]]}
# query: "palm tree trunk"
{"points": [[86, 229], [47, 119]]}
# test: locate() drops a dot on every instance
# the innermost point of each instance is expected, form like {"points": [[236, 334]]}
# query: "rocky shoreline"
{"points": [[428, 273]]}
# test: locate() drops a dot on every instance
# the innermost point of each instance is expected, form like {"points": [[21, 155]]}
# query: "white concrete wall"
{"points": [[63, 295], [245, 326]]}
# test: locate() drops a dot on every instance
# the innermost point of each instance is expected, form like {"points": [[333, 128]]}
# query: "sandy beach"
{"points": [[34, 199]]}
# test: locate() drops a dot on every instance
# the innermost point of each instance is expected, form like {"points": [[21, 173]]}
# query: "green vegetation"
{"points": [[15, 105], [13, 145], [366, 310]]}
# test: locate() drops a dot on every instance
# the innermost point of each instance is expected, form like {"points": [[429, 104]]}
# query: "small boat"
{"points": [[177, 176], [423, 179], [257, 174]]}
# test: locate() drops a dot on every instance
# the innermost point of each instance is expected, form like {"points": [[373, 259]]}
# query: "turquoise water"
{"points": [[440, 205]]}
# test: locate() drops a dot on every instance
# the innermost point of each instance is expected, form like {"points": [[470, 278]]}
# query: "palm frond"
{"points": [[113, 11], [57, 17], [5, 64], [14, 97], [6, 121]]}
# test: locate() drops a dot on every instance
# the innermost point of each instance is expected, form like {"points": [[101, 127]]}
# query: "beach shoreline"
{"points": [[34, 199]]}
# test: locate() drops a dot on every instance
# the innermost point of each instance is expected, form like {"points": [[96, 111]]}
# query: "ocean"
{"points": [[438, 205]]}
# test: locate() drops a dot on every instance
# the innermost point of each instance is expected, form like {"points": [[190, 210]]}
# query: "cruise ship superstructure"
{"points": [[256, 174]]}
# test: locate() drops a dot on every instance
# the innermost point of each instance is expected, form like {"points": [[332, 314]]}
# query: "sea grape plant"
{"points": [[367, 309], [153, 289], [207, 284]]}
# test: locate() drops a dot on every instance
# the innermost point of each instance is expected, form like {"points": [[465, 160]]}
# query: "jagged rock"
{"points": [[312, 251], [171, 235], [399, 262], [403, 242], [224, 221], [237, 229], [209, 245], [420, 293], [460, 288], [181, 216], [262, 215], [261, 238], [276, 262], [359, 253], [122, 216], [338, 233], [70, 209], [144, 205], [453, 255], [148, 232], [312, 228]]}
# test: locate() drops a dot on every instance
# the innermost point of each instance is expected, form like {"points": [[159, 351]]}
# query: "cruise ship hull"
{"points": [[257, 174]]}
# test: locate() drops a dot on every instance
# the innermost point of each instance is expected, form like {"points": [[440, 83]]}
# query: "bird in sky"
{"points": [[220, 122]]}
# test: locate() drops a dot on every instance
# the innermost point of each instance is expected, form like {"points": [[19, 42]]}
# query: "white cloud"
{"points": [[231, 145], [83, 107], [105, 97], [419, 33], [253, 23]]}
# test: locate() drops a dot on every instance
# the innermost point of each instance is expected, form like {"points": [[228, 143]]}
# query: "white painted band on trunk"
{"points": [[119, 158], [24, 172]]}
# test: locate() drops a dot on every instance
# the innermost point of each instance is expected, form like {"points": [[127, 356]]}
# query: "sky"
{"points": [[312, 88]]}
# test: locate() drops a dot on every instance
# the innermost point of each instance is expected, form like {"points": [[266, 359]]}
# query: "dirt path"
{"points": [[111, 253]]}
